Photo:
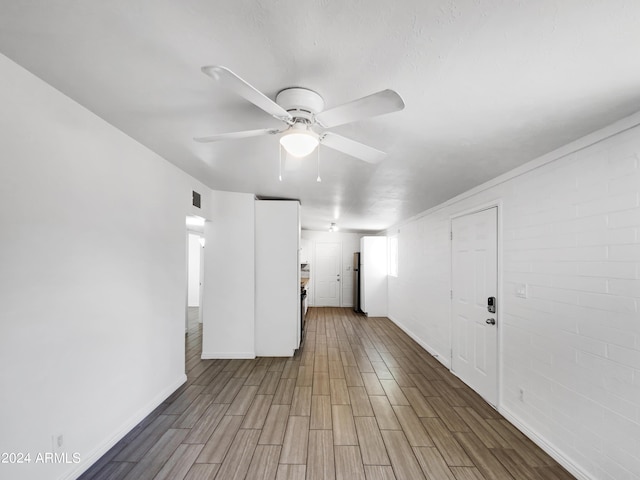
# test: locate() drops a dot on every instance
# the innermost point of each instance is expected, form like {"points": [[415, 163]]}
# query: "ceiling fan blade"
{"points": [[351, 147], [236, 135], [233, 82], [386, 101]]}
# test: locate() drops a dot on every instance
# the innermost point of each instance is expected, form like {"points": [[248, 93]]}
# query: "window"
{"points": [[393, 256]]}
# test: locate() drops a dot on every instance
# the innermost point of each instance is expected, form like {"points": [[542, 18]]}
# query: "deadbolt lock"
{"points": [[491, 304]]}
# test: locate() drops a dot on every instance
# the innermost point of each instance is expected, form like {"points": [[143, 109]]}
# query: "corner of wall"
{"points": [[443, 359]]}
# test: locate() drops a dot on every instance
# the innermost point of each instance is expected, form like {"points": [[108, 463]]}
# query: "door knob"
{"points": [[491, 321]]}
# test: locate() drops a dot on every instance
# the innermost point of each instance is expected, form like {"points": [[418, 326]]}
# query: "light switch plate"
{"points": [[521, 290]]}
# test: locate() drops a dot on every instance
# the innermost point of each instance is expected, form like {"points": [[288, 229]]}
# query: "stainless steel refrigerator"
{"points": [[356, 282]]}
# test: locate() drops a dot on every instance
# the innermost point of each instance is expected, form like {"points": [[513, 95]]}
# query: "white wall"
{"points": [[350, 243], [570, 231], [92, 277], [193, 281], [228, 304]]}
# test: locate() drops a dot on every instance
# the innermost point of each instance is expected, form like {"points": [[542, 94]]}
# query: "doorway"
{"points": [[327, 278], [474, 287], [195, 272], [194, 279]]}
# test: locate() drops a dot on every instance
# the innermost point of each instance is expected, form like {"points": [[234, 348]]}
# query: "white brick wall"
{"points": [[571, 232]]}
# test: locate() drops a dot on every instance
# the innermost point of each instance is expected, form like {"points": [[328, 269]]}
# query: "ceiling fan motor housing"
{"points": [[300, 102]]}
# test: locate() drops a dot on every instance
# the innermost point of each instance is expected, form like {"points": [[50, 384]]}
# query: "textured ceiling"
{"points": [[488, 84]]}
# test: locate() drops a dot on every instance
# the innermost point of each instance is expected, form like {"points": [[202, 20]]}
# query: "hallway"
{"points": [[360, 400]]}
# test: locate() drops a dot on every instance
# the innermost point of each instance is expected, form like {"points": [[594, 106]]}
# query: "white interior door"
{"points": [[327, 274], [474, 280]]}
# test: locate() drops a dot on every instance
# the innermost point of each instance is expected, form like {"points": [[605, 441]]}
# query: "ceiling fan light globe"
{"points": [[299, 144]]}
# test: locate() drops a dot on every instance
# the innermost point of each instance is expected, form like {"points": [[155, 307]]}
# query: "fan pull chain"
{"points": [[280, 164], [318, 179]]}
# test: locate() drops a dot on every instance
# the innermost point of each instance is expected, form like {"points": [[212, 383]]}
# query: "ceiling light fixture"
{"points": [[194, 221], [299, 140]]}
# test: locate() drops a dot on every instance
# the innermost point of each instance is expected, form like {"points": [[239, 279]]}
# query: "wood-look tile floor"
{"points": [[359, 400]]}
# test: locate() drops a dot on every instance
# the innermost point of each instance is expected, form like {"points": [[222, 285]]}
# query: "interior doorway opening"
{"points": [[195, 270]]}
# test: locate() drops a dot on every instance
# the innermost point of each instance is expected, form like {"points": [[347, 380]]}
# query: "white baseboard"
{"points": [[550, 449], [94, 455], [227, 355], [445, 361]]}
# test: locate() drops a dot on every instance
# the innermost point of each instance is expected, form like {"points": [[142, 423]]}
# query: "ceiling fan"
{"points": [[302, 112]]}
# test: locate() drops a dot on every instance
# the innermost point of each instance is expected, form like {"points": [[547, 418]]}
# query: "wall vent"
{"points": [[196, 199]]}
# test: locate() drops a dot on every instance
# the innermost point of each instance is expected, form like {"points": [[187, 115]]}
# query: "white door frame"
{"points": [[497, 204]]}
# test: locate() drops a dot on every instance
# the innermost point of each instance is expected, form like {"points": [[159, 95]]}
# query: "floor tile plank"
{"points": [[294, 447], [446, 443], [336, 370], [401, 455], [229, 392], [412, 427], [418, 402], [269, 383], [139, 446], [352, 377], [243, 400], [339, 391], [237, 461], [257, 412], [301, 401], [284, 392], [183, 401], [348, 463], [467, 473], [216, 447], [291, 472], [321, 383], [448, 415], [481, 428], [432, 463], [155, 458], [384, 413], [488, 464], [202, 471], [320, 463], [424, 385], [344, 428], [515, 465], [370, 440], [201, 432], [379, 472], [372, 384], [360, 402], [179, 463], [274, 425], [191, 415], [264, 464], [393, 392], [321, 412]]}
